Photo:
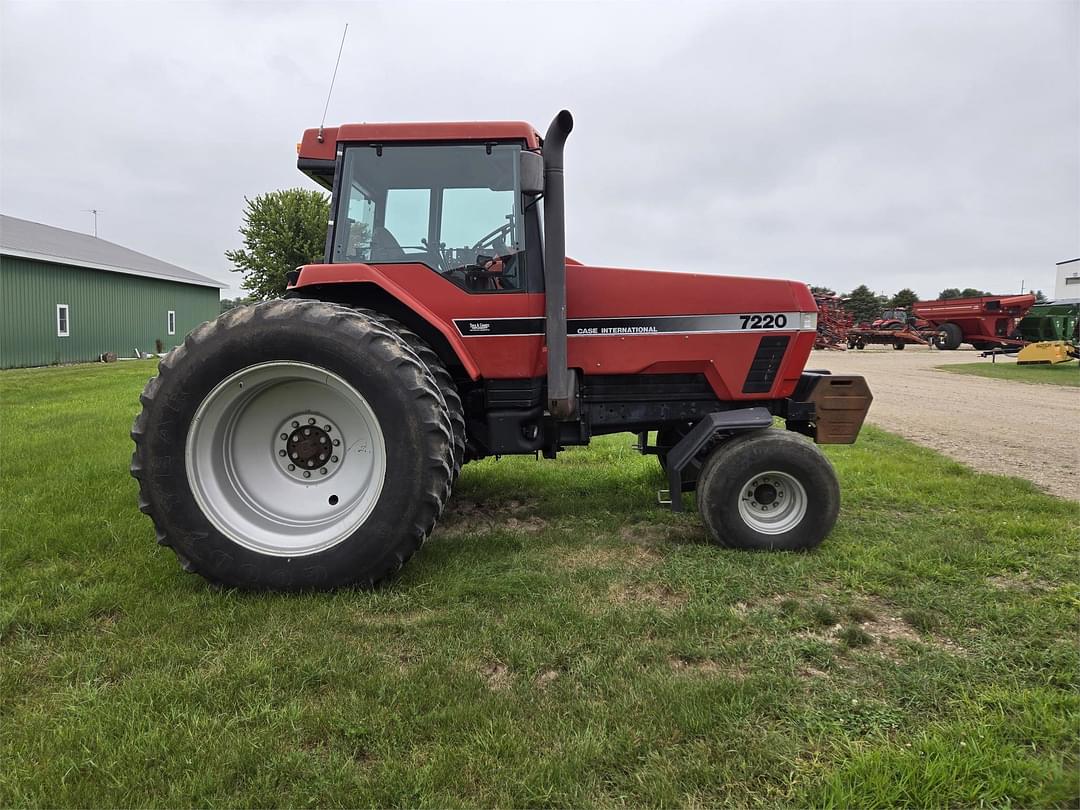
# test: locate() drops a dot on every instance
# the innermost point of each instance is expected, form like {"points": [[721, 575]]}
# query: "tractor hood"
{"points": [[639, 295]]}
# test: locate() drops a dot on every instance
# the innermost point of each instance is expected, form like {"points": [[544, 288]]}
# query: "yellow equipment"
{"points": [[1048, 352]]}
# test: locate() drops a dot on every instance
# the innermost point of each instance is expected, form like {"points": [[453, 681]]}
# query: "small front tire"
{"points": [[768, 490]]}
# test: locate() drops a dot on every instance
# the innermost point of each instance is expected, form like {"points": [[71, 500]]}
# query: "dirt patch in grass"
{"points": [[706, 667], [659, 596], [546, 678], [465, 515], [651, 534], [497, 677], [1021, 581], [578, 559], [875, 624]]}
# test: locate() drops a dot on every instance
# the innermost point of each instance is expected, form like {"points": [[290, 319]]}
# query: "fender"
{"points": [[313, 275]]}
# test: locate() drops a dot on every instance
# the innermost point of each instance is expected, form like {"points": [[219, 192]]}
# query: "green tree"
{"points": [[1040, 296], [822, 290], [863, 304], [950, 292], [971, 292], [282, 230], [905, 298]]}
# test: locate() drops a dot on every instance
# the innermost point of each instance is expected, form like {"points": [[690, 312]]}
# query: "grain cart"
{"points": [[986, 321], [312, 441]]}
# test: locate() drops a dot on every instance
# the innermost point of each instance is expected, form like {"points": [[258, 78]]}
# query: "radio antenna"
{"points": [[333, 78], [95, 212]]}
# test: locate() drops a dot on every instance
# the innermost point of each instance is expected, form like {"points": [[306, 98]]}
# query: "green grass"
{"points": [[1060, 374], [562, 641]]}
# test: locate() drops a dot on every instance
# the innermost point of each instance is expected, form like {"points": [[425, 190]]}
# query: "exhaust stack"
{"points": [[561, 381]]}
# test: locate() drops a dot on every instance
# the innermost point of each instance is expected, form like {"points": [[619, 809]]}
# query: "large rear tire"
{"points": [[454, 407], [768, 490], [292, 445]]}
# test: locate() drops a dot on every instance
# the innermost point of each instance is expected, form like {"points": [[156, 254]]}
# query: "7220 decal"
{"points": [[766, 321]]}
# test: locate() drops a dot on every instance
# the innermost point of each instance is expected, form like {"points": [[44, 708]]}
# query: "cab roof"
{"points": [[311, 149]]}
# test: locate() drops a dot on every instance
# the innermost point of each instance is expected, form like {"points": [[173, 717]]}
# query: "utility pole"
{"points": [[95, 212]]}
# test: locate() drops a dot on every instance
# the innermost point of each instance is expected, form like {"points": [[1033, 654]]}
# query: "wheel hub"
{"points": [[308, 447], [765, 494], [772, 502]]}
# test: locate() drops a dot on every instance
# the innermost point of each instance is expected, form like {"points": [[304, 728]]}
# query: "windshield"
{"points": [[453, 208]]}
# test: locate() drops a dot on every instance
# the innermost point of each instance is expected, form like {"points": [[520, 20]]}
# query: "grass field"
{"points": [[561, 641], [1061, 374]]}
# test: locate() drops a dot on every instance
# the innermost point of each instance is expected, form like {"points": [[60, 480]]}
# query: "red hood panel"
{"points": [[620, 292]]}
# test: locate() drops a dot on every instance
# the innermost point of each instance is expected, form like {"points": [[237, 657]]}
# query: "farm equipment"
{"points": [[986, 322], [834, 322], [896, 328], [312, 441], [1054, 331]]}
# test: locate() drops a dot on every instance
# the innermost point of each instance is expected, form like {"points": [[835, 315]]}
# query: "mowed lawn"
{"points": [[561, 641], [1059, 374]]}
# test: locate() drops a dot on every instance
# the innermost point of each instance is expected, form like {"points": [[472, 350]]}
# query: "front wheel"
{"points": [[768, 490]]}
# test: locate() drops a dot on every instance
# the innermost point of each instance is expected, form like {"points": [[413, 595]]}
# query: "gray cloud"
{"points": [[897, 144]]}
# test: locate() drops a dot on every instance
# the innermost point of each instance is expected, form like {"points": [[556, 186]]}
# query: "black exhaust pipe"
{"points": [[561, 381]]}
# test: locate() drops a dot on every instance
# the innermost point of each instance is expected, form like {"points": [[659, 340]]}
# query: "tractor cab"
{"points": [[464, 207]]}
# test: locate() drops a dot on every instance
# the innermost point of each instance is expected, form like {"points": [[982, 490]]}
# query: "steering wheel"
{"points": [[498, 233]]}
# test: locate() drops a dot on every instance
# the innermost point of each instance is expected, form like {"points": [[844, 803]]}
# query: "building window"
{"points": [[172, 322], [1072, 280], [63, 323]]}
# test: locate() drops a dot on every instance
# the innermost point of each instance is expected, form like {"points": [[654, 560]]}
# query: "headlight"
{"points": [[809, 321]]}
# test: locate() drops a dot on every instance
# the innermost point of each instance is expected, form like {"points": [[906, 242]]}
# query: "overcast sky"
{"points": [[898, 144]]}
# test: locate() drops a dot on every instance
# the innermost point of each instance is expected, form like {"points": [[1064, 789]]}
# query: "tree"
{"points": [[971, 292], [821, 290], [1040, 296], [863, 304], [905, 298], [282, 230], [950, 292]]}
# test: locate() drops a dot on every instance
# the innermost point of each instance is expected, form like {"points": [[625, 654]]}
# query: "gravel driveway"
{"points": [[996, 426]]}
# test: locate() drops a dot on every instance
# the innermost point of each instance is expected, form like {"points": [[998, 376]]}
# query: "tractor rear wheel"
{"points": [[292, 445], [949, 337], [768, 490], [454, 407]]}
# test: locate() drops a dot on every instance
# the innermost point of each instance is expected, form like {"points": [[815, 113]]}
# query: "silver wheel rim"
{"points": [[263, 465], [772, 502]]}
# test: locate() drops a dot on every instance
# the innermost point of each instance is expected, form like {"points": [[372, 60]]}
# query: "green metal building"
{"points": [[68, 297]]}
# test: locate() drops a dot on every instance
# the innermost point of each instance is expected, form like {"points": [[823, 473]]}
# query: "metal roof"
{"points": [[32, 240]]}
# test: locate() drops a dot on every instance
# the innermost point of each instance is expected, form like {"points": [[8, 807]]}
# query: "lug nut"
{"points": [[337, 442], [307, 474], [281, 452], [292, 467], [322, 440], [307, 431], [311, 420], [296, 424], [292, 455], [327, 428], [322, 457], [333, 459], [323, 470], [284, 436]]}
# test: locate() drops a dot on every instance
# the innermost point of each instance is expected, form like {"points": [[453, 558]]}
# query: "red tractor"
{"points": [[312, 441]]}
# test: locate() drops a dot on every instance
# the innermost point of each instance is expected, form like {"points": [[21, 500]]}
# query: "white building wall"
{"points": [[1067, 284]]}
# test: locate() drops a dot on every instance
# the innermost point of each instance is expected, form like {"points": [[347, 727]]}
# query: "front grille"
{"points": [[766, 363]]}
